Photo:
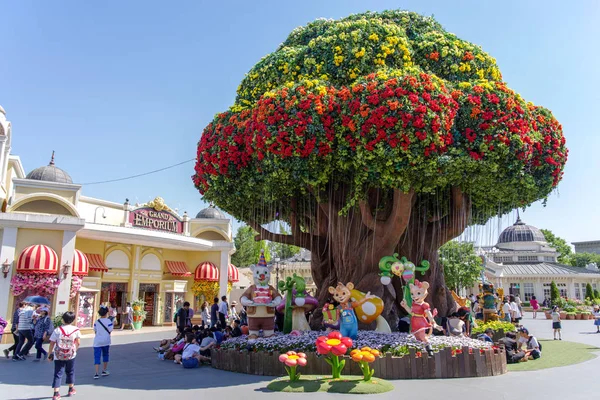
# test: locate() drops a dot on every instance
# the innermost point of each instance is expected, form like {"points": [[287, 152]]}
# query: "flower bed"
{"points": [[403, 357], [395, 344]]}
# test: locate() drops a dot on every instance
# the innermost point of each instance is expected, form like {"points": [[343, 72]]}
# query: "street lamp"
{"points": [[6, 268], [277, 259]]}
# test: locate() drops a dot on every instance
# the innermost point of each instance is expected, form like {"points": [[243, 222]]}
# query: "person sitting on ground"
{"points": [[487, 336], [533, 347], [166, 344], [217, 333], [227, 333], [207, 343], [190, 357], [467, 317], [177, 348], [513, 355], [236, 331], [455, 326]]}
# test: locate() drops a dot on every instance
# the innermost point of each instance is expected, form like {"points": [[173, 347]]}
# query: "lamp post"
{"points": [[277, 259], [65, 270], [6, 268]]}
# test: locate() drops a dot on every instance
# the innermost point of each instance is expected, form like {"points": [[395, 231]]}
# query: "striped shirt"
{"points": [[25, 317]]}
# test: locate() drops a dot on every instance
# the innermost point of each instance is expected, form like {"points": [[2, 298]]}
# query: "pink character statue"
{"points": [[421, 321], [261, 300]]}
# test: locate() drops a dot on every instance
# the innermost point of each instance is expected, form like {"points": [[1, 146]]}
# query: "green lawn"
{"points": [[347, 384], [557, 353]]}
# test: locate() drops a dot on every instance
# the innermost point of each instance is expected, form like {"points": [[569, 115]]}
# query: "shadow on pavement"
{"points": [[132, 366]]}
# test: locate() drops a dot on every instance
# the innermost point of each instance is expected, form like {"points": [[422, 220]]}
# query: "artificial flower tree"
{"points": [[374, 134]]}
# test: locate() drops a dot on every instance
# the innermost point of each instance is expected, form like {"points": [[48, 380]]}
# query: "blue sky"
{"points": [[121, 88]]}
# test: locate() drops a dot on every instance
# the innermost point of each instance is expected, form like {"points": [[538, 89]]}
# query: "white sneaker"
{"points": [[96, 376]]}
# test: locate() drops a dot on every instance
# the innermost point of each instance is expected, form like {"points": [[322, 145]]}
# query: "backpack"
{"points": [[65, 346]]}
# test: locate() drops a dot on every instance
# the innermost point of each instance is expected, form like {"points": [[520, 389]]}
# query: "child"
{"points": [[103, 327], [42, 330], [533, 347], [64, 343], [596, 314], [535, 305], [487, 336], [556, 322], [190, 358]]}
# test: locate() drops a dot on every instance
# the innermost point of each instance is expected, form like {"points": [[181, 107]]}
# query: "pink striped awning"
{"points": [[96, 262], [81, 265], [177, 268], [233, 275], [38, 259], [207, 271]]}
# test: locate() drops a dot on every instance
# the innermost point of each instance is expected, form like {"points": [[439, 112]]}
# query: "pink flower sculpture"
{"points": [[291, 359]]}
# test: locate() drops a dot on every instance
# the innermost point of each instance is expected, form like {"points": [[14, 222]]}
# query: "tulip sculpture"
{"points": [[289, 286], [364, 357], [332, 347], [292, 360]]}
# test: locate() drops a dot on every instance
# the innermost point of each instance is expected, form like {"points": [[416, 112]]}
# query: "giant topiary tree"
{"points": [[374, 134]]}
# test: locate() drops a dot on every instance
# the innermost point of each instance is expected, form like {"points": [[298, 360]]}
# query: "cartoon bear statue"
{"points": [[343, 295], [261, 300]]}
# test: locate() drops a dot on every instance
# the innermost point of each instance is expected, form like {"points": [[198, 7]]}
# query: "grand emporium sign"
{"points": [[156, 215]]}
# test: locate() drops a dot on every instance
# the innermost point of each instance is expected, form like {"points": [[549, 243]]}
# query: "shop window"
{"points": [[577, 291], [528, 291], [528, 258], [515, 289], [550, 259], [86, 309]]}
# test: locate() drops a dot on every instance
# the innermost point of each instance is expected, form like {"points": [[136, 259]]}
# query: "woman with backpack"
{"points": [[42, 330], [64, 343]]}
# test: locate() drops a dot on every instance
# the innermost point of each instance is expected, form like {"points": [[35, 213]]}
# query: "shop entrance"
{"points": [[115, 294], [149, 293], [173, 302]]}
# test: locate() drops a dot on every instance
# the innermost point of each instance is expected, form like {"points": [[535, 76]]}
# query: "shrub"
{"points": [[57, 320], [526, 304], [494, 325], [589, 292], [554, 293]]}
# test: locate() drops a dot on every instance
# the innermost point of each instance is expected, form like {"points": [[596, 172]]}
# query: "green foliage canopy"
{"points": [[462, 266], [384, 100], [560, 245]]}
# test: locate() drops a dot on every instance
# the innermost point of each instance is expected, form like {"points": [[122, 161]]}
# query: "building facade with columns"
{"points": [[523, 263], [81, 252]]}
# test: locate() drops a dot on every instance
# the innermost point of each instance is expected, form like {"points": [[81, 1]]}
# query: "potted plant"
{"points": [[586, 315], [548, 313], [139, 315], [570, 315]]}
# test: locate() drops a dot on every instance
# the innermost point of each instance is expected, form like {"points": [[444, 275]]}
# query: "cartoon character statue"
{"points": [[331, 317], [342, 294], [488, 300], [261, 300], [421, 321]]}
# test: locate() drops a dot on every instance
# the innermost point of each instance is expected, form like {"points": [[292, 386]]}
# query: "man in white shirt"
{"points": [[103, 328]]}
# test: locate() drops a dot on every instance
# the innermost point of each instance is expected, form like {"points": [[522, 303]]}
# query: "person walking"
{"points": [[214, 312], [596, 314], [64, 343], [535, 305], [127, 317], [112, 313], [223, 312], [13, 331], [103, 327], [233, 315], [42, 331], [25, 330]]}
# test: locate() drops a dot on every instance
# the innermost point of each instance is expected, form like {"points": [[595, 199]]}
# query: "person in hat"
{"points": [[233, 315], [43, 328]]}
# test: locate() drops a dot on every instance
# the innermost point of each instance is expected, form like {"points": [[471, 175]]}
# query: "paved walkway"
{"points": [[136, 373]]}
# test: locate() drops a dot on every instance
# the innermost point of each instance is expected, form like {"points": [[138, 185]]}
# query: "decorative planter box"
{"points": [[442, 365]]}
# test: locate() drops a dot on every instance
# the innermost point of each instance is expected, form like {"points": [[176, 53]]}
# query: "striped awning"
{"points": [[206, 271], [177, 268], [38, 259], [81, 265], [96, 262], [233, 275]]}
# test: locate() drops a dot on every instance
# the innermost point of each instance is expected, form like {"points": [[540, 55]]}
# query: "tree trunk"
{"points": [[347, 248]]}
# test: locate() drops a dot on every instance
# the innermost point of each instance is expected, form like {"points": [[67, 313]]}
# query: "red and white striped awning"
{"points": [[177, 268], [38, 259], [81, 265], [233, 275], [206, 271], [96, 262]]}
